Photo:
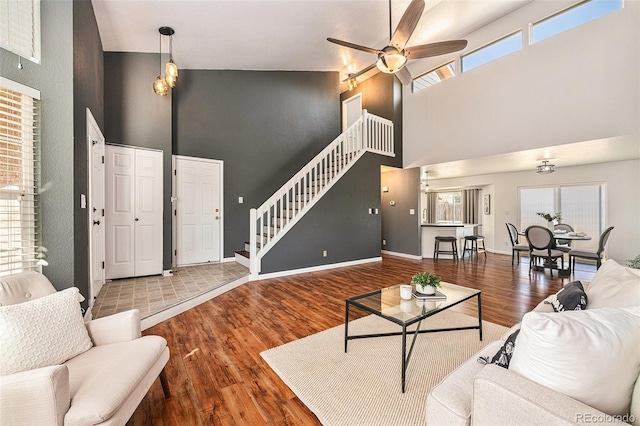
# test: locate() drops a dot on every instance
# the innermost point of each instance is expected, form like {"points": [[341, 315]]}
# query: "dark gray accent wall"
{"points": [[136, 116], [382, 96], [54, 78], [264, 125], [400, 229], [88, 92], [339, 223]]}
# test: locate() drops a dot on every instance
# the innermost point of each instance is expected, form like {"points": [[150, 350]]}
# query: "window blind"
{"points": [[20, 27], [19, 180]]}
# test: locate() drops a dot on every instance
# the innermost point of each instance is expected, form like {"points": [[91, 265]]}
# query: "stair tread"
{"points": [[243, 253]]}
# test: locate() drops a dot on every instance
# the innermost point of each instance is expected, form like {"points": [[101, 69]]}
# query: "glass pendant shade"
{"points": [[160, 86], [171, 69], [391, 62], [171, 80]]}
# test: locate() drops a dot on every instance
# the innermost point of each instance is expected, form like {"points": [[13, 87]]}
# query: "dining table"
{"points": [[572, 236]]}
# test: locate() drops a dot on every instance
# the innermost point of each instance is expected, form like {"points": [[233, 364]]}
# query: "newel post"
{"points": [[253, 243], [365, 132]]}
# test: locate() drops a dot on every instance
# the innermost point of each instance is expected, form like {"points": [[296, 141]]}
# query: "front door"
{"points": [[198, 210], [95, 206]]}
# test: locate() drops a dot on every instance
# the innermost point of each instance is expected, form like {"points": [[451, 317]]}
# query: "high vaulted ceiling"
{"points": [[281, 34]]}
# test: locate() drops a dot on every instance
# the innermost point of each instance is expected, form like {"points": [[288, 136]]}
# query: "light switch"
{"points": [[375, 211], [385, 189], [83, 201], [240, 200], [370, 211], [412, 211]]}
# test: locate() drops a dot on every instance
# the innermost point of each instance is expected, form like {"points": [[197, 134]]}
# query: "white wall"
{"points": [[622, 180], [583, 84]]}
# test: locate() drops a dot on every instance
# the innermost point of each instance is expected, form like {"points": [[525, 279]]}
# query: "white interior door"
{"points": [[95, 141], [148, 233], [351, 110], [120, 213], [134, 234], [198, 210]]}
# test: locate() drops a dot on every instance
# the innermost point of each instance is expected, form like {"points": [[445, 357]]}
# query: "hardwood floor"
{"points": [[216, 373]]}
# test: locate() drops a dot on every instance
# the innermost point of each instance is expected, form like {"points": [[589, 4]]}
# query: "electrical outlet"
{"points": [[324, 253], [412, 211], [384, 242]]}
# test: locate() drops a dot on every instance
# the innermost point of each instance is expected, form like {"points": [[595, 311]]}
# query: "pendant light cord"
{"points": [[160, 61]]}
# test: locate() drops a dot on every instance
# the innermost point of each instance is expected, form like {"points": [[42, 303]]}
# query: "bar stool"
{"points": [[471, 244], [454, 247]]}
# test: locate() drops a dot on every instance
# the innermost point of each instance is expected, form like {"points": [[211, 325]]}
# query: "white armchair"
{"points": [[101, 386]]}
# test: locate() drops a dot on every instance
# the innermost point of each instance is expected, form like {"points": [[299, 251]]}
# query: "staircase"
{"points": [[272, 220]]}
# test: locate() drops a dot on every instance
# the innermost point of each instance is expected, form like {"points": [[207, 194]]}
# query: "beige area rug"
{"points": [[363, 386]]}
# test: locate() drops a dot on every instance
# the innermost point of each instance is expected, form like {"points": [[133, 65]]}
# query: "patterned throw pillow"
{"points": [[571, 297], [42, 332], [503, 356]]}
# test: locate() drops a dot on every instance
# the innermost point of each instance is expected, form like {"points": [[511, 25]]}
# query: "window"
{"points": [[582, 207], [492, 51], [449, 207], [20, 28], [572, 17], [19, 108], [434, 76]]}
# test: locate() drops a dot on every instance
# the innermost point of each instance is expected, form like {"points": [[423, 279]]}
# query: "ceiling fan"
{"points": [[393, 58]]}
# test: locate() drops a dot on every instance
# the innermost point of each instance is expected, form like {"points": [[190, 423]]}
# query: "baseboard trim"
{"points": [[228, 259], [405, 255], [185, 305], [254, 277]]}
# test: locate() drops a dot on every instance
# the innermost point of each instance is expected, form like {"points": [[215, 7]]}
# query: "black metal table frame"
{"points": [[405, 357]]}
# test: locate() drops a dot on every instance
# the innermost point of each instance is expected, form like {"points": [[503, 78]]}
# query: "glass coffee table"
{"points": [[387, 303]]}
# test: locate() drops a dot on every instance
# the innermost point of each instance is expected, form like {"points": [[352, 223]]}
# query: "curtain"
{"points": [[470, 202], [432, 206]]}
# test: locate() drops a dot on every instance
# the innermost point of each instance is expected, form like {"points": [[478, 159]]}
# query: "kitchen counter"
{"points": [[432, 230]]}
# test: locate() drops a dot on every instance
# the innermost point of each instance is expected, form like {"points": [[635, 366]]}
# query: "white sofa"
{"points": [[492, 395], [101, 386]]}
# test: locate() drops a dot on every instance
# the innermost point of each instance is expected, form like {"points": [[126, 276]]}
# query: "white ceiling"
{"points": [[281, 35], [291, 35]]}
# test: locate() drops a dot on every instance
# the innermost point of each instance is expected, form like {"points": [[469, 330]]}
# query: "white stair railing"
{"points": [[271, 221]]}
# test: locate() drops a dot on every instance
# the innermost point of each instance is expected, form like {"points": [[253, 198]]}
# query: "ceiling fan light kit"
{"points": [[162, 84], [392, 59], [545, 168]]}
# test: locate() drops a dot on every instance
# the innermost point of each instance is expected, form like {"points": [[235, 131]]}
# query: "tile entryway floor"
{"points": [[155, 293]]}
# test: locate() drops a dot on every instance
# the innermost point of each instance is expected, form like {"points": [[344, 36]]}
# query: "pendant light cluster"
{"points": [[162, 84]]}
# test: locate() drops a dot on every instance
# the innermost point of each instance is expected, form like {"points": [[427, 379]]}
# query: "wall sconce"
{"points": [[545, 168], [161, 85]]}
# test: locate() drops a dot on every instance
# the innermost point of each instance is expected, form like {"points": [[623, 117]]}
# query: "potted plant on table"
{"points": [[426, 282], [551, 219]]}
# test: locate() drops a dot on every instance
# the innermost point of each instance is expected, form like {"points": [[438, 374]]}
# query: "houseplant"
{"points": [[426, 282], [551, 219], [634, 263]]}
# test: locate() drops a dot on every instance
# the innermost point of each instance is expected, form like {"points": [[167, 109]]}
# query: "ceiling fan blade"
{"points": [[407, 24], [434, 49], [359, 73], [404, 76], [353, 46]]}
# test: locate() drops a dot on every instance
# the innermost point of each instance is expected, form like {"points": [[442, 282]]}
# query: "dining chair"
{"points": [[591, 254], [563, 245], [516, 247], [541, 245]]}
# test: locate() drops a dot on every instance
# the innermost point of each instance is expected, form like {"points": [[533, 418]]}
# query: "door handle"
{"points": [[96, 222], [217, 217]]}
